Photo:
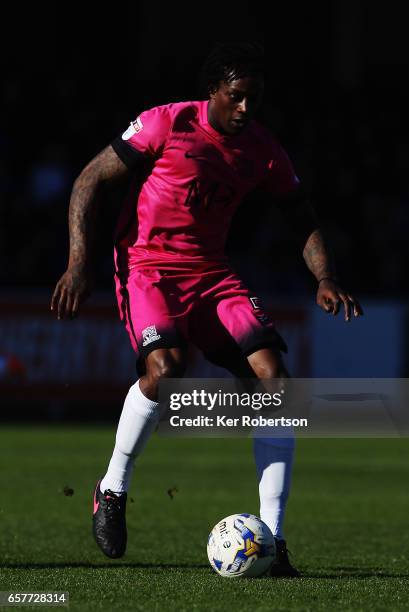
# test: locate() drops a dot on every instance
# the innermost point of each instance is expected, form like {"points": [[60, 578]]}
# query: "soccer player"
{"points": [[173, 281]]}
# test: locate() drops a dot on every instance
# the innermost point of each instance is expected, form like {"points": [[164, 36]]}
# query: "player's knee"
{"points": [[166, 366], [267, 370], [267, 364]]}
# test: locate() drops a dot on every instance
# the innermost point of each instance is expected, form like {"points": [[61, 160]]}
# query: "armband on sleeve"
{"points": [[129, 155]]}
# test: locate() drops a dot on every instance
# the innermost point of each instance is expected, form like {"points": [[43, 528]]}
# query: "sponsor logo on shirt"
{"points": [[217, 194], [134, 128], [150, 335]]}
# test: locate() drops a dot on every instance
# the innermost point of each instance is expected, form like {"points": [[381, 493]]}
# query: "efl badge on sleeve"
{"points": [[134, 128]]}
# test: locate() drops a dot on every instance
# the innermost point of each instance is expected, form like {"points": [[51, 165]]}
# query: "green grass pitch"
{"points": [[347, 523]]}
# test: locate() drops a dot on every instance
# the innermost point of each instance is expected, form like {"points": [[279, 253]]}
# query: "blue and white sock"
{"points": [[274, 460]]}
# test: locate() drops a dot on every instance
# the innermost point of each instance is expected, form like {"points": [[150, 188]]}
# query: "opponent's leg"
{"points": [[139, 418]]}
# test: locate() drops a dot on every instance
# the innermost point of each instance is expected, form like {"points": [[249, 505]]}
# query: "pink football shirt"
{"points": [[196, 180]]}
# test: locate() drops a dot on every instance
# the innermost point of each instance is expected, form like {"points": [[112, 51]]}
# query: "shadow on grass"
{"points": [[335, 573], [113, 565]]}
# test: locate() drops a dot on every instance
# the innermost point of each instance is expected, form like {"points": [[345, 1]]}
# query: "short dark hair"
{"points": [[230, 61]]}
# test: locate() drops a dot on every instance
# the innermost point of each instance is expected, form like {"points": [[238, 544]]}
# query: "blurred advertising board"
{"points": [[91, 357]]}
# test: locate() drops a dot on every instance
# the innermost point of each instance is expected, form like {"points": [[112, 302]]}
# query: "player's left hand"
{"points": [[330, 297]]}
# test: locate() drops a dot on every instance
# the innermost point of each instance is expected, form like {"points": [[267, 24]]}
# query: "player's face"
{"points": [[234, 104]]}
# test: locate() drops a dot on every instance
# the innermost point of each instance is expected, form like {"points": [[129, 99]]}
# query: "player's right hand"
{"points": [[71, 290]]}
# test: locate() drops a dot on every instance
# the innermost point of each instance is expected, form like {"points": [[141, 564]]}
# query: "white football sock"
{"points": [[273, 463], [138, 420]]}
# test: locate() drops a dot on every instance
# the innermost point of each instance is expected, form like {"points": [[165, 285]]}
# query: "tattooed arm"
{"points": [[317, 257], [329, 294], [73, 286], [300, 215]]}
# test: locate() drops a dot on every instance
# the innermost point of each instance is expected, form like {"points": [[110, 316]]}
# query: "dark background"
{"points": [[337, 97]]}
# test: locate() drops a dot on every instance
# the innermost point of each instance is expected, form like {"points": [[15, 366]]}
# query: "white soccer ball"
{"points": [[241, 545]]}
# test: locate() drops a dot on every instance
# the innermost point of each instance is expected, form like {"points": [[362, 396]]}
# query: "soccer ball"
{"points": [[241, 545]]}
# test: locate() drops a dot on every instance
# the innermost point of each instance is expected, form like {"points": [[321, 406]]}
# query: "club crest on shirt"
{"points": [[149, 334], [134, 128]]}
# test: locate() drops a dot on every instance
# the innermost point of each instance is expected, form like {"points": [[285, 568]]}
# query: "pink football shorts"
{"points": [[206, 305]]}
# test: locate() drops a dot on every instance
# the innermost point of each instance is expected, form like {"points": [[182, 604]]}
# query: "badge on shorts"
{"points": [[134, 128], [255, 302], [150, 335]]}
